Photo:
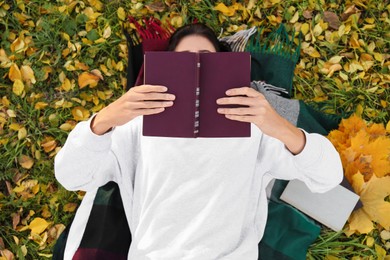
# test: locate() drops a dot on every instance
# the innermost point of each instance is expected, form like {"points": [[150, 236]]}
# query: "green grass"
{"points": [[54, 28]]}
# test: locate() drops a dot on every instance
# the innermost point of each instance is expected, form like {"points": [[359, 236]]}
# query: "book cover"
{"points": [[197, 80], [331, 208]]}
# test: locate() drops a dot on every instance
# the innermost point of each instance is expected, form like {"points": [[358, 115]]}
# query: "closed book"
{"points": [[331, 208], [197, 80]]}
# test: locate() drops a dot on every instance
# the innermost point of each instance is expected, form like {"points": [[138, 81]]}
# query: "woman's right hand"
{"points": [[139, 100]]}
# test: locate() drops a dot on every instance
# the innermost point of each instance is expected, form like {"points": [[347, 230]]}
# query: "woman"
{"points": [[200, 198]]}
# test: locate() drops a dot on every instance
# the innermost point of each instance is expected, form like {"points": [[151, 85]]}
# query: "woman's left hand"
{"points": [[254, 108]]}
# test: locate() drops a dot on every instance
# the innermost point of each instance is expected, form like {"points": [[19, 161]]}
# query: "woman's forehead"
{"points": [[195, 43]]}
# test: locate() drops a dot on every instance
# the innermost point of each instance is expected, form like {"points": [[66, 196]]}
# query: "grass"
{"points": [[62, 39]]}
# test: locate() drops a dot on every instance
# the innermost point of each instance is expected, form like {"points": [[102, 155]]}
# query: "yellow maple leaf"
{"points": [[38, 225], [373, 198], [379, 149], [376, 130], [360, 221], [358, 182], [352, 125]]}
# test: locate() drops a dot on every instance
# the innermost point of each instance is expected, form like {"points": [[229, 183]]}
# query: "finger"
{"points": [[150, 111], [151, 104], [244, 91], [157, 96], [238, 111], [248, 119], [149, 88], [240, 100]]}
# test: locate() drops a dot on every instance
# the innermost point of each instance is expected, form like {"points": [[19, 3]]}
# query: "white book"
{"points": [[331, 208]]}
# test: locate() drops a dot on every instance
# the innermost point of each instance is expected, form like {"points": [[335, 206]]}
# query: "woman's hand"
{"points": [[139, 100], [258, 111]]}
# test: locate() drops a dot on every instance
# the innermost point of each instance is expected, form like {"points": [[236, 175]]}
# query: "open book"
{"points": [[197, 80]]}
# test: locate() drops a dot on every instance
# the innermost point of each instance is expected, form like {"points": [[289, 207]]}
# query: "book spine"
{"points": [[197, 95]]}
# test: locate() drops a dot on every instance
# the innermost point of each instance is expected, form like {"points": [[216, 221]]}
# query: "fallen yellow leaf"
{"points": [[25, 161], [380, 251], [38, 225], [359, 221], [88, 78], [27, 74], [49, 144], [40, 105], [66, 85], [373, 198], [14, 73], [228, 11], [18, 87], [80, 113], [107, 32], [70, 207], [14, 126], [121, 13], [22, 133]]}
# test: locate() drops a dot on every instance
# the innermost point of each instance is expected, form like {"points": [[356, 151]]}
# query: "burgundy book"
{"points": [[197, 80]]}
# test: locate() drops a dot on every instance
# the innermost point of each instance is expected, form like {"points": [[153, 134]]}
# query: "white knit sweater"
{"points": [[185, 198]]}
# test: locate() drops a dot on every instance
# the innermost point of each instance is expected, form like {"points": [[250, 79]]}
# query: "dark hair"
{"points": [[197, 29]]}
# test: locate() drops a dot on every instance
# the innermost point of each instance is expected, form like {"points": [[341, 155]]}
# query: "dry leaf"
{"points": [[156, 6], [380, 252], [332, 19], [49, 144], [70, 207], [25, 161], [40, 105], [312, 52], [308, 14], [80, 113], [373, 198], [350, 11], [14, 73], [15, 220], [38, 225], [228, 11], [18, 87], [359, 221], [27, 74], [121, 13], [66, 85], [8, 255], [88, 78], [22, 133], [18, 45]]}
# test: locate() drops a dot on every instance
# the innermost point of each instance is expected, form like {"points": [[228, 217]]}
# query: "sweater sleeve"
{"points": [[86, 161], [318, 165]]}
